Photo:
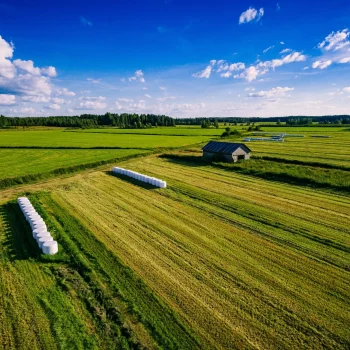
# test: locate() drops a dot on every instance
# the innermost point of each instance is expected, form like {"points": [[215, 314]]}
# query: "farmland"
{"points": [[222, 258]]}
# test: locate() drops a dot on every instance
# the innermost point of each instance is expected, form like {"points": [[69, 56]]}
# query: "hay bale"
{"points": [[50, 248], [38, 231], [43, 240]]}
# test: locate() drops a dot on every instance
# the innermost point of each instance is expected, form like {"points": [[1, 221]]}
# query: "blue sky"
{"points": [[180, 58]]}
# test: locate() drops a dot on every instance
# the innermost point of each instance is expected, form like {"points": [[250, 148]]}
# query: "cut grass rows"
{"points": [[236, 286]]}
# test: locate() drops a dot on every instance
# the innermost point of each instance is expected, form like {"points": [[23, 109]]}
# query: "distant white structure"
{"points": [[140, 177], [39, 228]]}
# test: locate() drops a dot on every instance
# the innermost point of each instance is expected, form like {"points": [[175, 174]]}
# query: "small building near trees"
{"points": [[226, 151]]}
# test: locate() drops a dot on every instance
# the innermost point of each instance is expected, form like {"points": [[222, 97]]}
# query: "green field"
{"points": [[254, 255], [90, 140]]}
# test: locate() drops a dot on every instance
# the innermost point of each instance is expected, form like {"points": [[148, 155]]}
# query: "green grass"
{"points": [[64, 139], [178, 131], [19, 162], [82, 298], [244, 262]]}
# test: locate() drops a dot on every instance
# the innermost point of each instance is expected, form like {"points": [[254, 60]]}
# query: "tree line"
{"points": [[91, 121]]}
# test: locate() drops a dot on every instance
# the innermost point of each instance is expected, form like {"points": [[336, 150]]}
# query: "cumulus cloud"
{"points": [[344, 60], [163, 88], [321, 64], [92, 98], [335, 40], [271, 95], [347, 89], [7, 99], [250, 15], [138, 76], [7, 69], [27, 110], [148, 96], [226, 74], [21, 77], [252, 72], [127, 100]]}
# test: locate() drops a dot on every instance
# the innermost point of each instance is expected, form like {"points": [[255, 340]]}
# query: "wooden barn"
{"points": [[225, 151]]}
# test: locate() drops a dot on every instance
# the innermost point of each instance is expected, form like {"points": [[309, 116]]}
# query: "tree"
{"points": [[216, 124]]}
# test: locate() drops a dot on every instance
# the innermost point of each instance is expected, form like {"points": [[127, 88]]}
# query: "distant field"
{"points": [[182, 131], [90, 140], [334, 150], [19, 162], [245, 262]]}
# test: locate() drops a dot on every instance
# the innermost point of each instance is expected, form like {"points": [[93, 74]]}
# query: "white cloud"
{"points": [[94, 81], [236, 66], [335, 40], [36, 99], [273, 94], [344, 60], [281, 42], [305, 68], [226, 75], [27, 67], [285, 51], [250, 15], [166, 98], [49, 71], [92, 98], [163, 88], [7, 99], [204, 73], [252, 72], [91, 105], [321, 64], [148, 96], [53, 106], [347, 89], [249, 74], [27, 110], [127, 100], [7, 69], [58, 101], [138, 76], [64, 92], [269, 48]]}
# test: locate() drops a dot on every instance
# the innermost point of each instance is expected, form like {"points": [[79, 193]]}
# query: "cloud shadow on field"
{"points": [[135, 182], [19, 243]]}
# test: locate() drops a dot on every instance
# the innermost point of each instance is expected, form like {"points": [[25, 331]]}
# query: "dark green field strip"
{"points": [[233, 286], [36, 313], [101, 266], [35, 177]]}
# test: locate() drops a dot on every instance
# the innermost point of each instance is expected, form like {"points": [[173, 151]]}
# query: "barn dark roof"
{"points": [[224, 147]]}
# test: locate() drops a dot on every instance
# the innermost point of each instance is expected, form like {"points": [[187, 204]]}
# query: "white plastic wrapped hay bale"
{"points": [[39, 226], [50, 248], [43, 240], [38, 230], [162, 184], [42, 234], [157, 183]]}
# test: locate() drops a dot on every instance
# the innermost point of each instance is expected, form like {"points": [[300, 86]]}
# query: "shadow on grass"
{"points": [[135, 182], [19, 242]]}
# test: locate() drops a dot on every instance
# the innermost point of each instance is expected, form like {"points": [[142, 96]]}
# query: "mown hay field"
{"points": [[243, 262]]}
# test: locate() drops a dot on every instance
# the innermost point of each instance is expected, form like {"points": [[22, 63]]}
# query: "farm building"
{"points": [[225, 151]]}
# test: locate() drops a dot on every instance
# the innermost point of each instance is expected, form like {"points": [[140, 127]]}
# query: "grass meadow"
{"points": [[253, 255]]}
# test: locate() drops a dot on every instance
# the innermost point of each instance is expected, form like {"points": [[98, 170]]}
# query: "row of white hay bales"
{"points": [[39, 228], [140, 177]]}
